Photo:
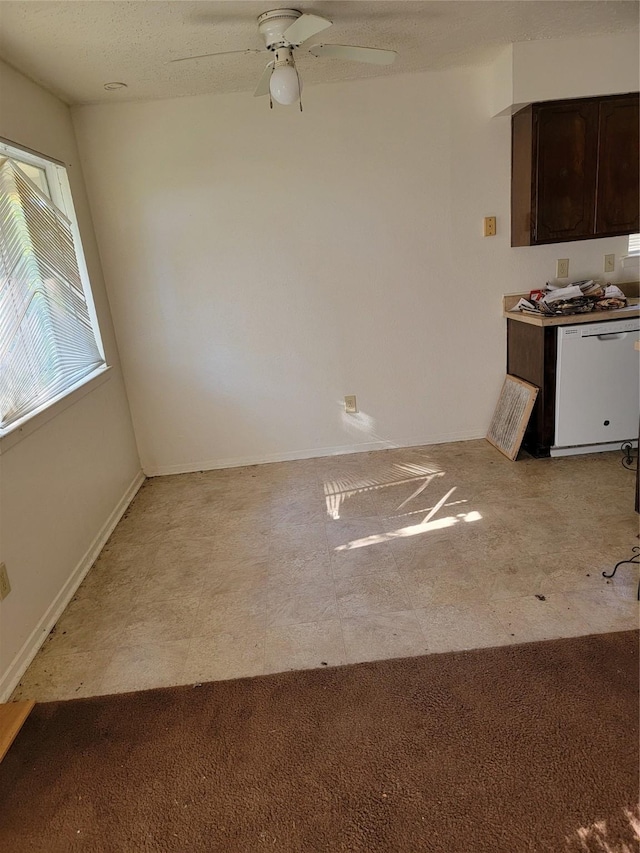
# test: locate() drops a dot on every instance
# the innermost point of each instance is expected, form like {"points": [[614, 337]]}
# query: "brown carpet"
{"points": [[508, 750]]}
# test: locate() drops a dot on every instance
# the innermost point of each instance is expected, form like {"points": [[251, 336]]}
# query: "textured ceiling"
{"points": [[74, 48]]}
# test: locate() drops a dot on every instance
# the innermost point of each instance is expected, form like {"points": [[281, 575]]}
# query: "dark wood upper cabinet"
{"points": [[575, 170], [565, 151], [618, 178]]}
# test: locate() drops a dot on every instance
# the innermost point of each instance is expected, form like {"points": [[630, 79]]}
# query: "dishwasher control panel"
{"points": [[612, 327]]}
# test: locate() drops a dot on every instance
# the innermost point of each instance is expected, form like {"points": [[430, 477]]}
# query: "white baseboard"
{"points": [[240, 461], [21, 661]]}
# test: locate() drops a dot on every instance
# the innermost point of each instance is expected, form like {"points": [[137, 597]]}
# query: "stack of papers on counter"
{"points": [[577, 298]]}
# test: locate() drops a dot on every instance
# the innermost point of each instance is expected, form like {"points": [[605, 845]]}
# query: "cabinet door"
{"points": [[617, 199], [565, 167]]}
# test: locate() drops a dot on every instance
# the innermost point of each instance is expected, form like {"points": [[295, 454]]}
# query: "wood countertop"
{"points": [[632, 310]]}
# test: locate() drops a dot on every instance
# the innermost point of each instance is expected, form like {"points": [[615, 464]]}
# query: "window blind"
{"points": [[634, 244], [47, 342]]}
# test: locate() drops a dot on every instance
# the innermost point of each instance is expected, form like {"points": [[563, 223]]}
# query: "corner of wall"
{"points": [[18, 666], [500, 83]]}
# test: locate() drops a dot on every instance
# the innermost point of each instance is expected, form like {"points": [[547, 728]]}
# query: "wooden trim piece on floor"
{"points": [[12, 717]]}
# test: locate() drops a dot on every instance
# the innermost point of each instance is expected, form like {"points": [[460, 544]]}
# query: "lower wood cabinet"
{"points": [[531, 355]]}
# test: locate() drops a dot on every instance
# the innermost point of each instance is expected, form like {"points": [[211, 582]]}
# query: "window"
{"points": [[49, 336], [634, 244]]}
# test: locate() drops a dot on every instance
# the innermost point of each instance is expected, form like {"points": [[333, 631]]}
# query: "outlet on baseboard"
{"points": [[5, 586]]}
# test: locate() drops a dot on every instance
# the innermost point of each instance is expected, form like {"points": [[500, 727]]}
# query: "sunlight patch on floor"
{"points": [[594, 838], [413, 530], [338, 491]]}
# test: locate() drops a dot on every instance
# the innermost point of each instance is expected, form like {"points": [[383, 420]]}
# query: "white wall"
{"points": [[261, 265], [63, 485], [554, 69], [576, 68]]}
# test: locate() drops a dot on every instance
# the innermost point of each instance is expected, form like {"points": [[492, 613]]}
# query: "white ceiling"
{"points": [[73, 48]]}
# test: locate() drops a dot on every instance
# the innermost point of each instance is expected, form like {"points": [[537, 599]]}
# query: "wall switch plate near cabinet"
{"points": [[562, 268], [5, 586], [609, 263], [489, 226], [350, 405]]}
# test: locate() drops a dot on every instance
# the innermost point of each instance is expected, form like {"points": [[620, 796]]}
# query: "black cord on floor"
{"points": [[629, 458]]}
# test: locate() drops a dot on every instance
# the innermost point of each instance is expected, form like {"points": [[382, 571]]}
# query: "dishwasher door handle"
{"points": [[613, 336]]}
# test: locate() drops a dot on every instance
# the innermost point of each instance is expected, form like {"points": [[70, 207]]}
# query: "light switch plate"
{"points": [[350, 404], [489, 226]]}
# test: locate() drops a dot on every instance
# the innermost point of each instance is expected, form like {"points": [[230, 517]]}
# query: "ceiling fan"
{"points": [[284, 31]]}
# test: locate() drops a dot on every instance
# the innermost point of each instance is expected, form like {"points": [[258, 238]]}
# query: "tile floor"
{"points": [[341, 559]]}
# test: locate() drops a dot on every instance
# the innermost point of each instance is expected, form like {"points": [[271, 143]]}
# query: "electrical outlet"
{"points": [[350, 405], [5, 586], [489, 226], [562, 268], [609, 263]]}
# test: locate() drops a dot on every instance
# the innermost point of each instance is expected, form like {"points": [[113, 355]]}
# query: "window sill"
{"points": [[33, 421]]}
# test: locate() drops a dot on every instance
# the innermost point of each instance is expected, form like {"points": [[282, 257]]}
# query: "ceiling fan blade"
{"points": [[221, 53], [263, 85], [373, 55], [305, 27]]}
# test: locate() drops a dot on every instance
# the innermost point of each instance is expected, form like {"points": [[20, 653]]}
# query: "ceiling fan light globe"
{"points": [[285, 85]]}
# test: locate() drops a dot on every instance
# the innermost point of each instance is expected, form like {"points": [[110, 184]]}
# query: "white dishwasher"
{"points": [[597, 386]]}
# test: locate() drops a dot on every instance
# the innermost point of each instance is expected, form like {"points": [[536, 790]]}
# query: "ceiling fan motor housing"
{"points": [[272, 26]]}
